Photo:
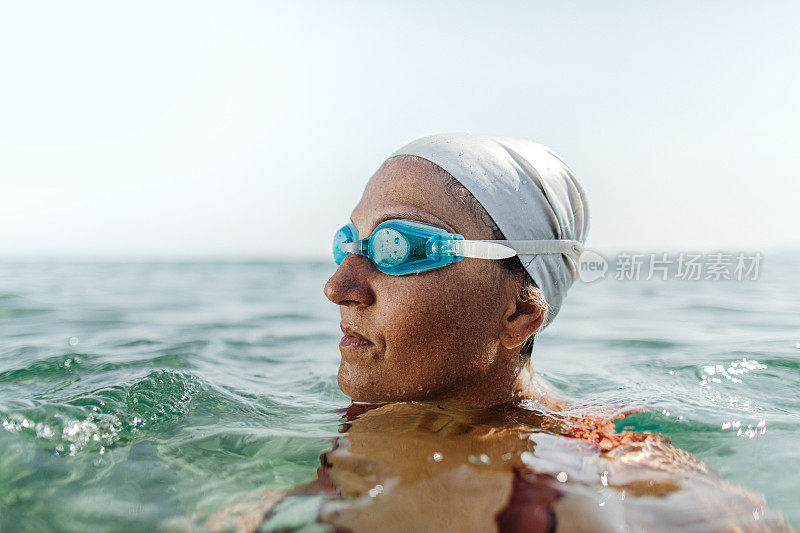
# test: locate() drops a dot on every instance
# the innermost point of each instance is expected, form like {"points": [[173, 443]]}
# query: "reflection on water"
{"points": [[426, 467]]}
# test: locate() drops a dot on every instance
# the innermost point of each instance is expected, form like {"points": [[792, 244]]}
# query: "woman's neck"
{"points": [[530, 386]]}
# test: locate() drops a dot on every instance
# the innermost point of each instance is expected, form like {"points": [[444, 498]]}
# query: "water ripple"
{"points": [[101, 418]]}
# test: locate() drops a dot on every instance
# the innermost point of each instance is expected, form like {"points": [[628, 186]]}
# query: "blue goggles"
{"points": [[399, 247]]}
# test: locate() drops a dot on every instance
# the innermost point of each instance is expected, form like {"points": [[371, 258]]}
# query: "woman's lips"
{"points": [[352, 338], [353, 342]]}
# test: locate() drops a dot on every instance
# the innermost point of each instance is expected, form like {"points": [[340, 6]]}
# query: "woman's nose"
{"points": [[350, 285]]}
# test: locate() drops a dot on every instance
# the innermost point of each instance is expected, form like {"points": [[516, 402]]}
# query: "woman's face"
{"points": [[432, 336]]}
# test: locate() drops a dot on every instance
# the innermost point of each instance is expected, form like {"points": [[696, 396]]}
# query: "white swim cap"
{"points": [[527, 190]]}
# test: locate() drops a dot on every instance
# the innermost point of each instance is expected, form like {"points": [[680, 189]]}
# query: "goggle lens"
{"points": [[389, 247], [397, 247]]}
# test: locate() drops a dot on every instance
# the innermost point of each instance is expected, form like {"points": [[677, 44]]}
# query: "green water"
{"points": [[131, 394]]}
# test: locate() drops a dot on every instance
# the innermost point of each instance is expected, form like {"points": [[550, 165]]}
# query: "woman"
{"points": [[452, 429], [463, 331]]}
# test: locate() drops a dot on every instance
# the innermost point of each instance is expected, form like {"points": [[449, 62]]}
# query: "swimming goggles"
{"points": [[399, 247]]}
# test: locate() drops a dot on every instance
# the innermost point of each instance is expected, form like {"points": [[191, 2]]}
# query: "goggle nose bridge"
{"points": [[355, 247]]}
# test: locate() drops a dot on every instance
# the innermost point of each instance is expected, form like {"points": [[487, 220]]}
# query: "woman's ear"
{"points": [[521, 320]]}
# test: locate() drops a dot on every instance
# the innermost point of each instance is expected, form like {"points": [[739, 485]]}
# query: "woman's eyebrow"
{"points": [[431, 219]]}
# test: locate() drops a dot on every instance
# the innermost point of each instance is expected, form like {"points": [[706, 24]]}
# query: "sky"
{"points": [[249, 129]]}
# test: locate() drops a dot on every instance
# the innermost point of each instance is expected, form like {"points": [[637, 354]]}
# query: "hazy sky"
{"points": [[229, 129]]}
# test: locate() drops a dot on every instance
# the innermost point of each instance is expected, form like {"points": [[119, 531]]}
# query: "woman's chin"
{"points": [[355, 384], [364, 387]]}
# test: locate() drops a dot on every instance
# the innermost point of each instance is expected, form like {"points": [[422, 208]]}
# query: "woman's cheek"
{"points": [[432, 316], [429, 316]]}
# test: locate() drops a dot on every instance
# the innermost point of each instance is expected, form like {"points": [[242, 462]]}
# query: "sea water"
{"points": [[135, 393]]}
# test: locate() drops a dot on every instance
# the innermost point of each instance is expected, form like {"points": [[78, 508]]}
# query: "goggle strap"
{"points": [[482, 249], [547, 246]]}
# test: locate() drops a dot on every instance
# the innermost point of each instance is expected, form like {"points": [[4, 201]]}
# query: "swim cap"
{"points": [[529, 192]]}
